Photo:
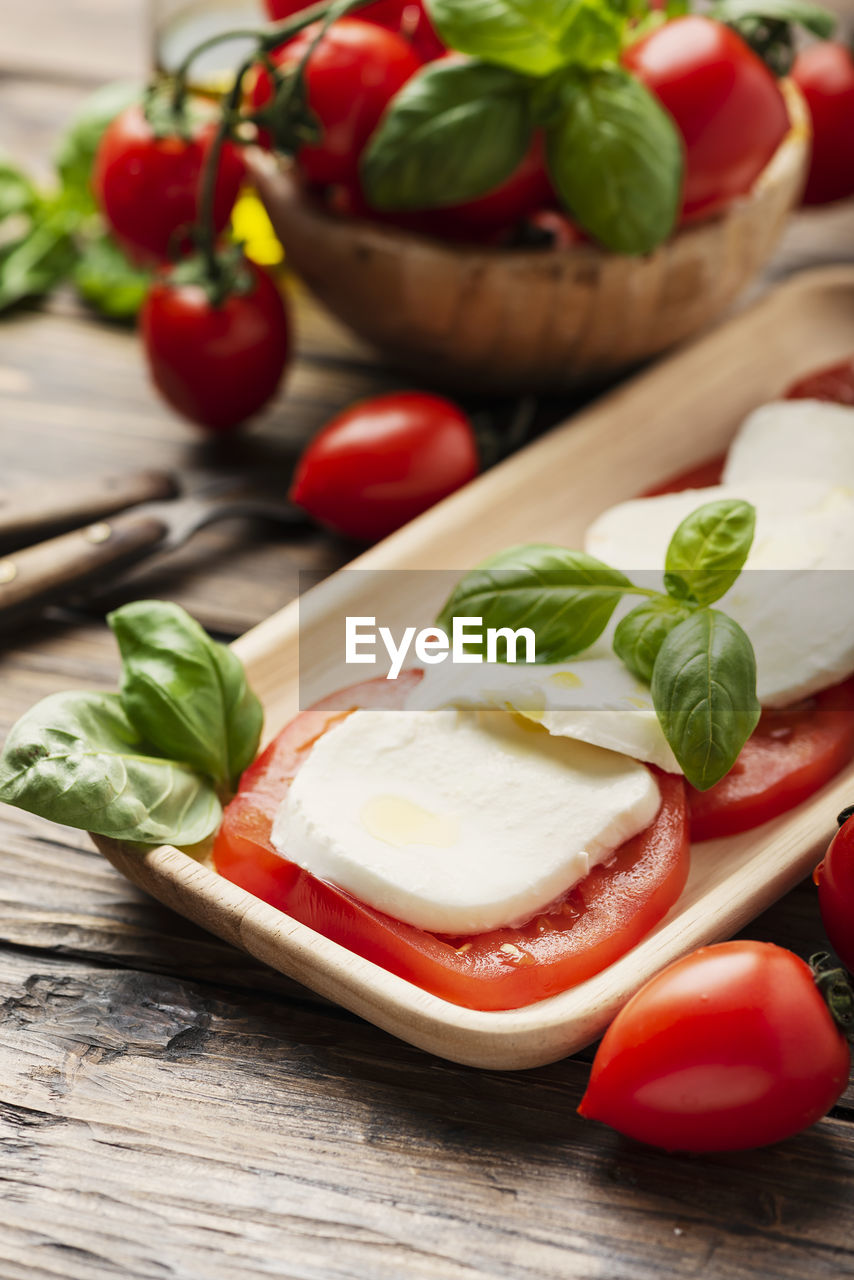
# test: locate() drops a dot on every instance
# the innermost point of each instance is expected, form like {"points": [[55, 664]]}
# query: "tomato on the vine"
{"points": [[351, 76], [148, 185], [824, 73], [729, 1048], [382, 462], [835, 880], [725, 102], [216, 363], [407, 17]]}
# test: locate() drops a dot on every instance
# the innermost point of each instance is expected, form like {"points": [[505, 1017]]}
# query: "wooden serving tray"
{"points": [[679, 413]]}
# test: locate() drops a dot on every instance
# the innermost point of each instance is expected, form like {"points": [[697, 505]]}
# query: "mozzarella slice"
{"points": [[458, 822], [794, 440], [593, 699], [634, 536], [794, 598]]}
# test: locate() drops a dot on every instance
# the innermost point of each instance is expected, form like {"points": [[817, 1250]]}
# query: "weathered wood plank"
{"points": [[160, 1125]]}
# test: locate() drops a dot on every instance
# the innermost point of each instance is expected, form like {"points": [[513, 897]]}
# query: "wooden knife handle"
{"points": [[35, 511], [57, 568]]}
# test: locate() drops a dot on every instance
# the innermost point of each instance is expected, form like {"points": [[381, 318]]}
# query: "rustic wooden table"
{"points": [[167, 1106]]}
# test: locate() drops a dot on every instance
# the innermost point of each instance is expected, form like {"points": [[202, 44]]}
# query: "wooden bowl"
{"points": [[523, 319]]}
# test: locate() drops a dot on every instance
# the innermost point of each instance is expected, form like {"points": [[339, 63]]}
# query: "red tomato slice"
{"points": [[702, 476], [835, 383], [792, 754], [599, 921]]}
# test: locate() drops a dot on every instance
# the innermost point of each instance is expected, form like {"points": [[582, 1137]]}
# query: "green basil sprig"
{"points": [[55, 234], [77, 759], [698, 661], [456, 131], [185, 693], [150, 764], [709, 550], [565, 597], [535, 37], [615, 159]]}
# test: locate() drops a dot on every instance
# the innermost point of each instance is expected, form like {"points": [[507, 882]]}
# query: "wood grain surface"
{"points": [[168, 1108]]}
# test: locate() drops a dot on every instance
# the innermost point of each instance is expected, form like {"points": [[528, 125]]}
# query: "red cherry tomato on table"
{"points": [[724, 100], [731, 1047], [824, 73], [216, 365], [835, 880], [148, 186], [351, 76], [381, 463]]}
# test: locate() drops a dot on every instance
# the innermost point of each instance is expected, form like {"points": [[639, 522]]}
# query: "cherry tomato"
{"points": [[382, 462], [351, 76], [824, 73], [835, 383], [601, 919], [148, 186], [216, 365], [731, 1047], [724, 100], [835, 880], [407, 17]]}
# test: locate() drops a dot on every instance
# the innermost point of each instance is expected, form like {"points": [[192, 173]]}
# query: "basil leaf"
{"points": [[708, 550], [76, 152], [533, 36], [184, 692], [812, 17], [454, 132], [108, 281], [17, 193], [640, 635], [593, 35], [704, 693], [566, 597], [38, 260], [76, 758], [615, 158]]}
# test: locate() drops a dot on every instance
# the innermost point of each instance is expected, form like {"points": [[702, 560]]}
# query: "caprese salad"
{"points": [[497, 837], [500, 835]]}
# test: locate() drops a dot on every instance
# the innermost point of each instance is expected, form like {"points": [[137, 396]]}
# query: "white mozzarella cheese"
{"points": [[455, 821], [794, 440], [793, 599], [593, 698]]}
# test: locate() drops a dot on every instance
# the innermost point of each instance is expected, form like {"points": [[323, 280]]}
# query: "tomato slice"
{"points": [[835, 383], [792, 754], [702, 476], [597, 922]]}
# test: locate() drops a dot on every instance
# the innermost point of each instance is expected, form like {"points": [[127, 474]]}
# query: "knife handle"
{"points": [[57, 568], [36, 511]]}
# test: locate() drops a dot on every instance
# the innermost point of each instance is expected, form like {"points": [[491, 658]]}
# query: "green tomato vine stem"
{"points": [[267, 39]]}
